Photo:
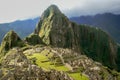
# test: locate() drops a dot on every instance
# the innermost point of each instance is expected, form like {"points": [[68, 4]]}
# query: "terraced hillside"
{"points": [[66, 63], [50, 60], [16, 66], [75, 65]]}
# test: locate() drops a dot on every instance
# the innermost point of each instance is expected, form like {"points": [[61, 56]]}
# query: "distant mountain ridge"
{"points": [[108, 22], [23, 27]]}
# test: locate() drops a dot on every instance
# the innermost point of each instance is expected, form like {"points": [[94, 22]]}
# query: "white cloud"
{"points": [[19, 9], [91, 7]]}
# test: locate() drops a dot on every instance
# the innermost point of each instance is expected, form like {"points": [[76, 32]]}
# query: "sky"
{"points": [[11, 10]]}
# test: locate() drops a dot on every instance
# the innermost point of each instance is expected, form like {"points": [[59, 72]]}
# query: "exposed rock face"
{"points": [[10, 40], [55, 29], [33, 39]]}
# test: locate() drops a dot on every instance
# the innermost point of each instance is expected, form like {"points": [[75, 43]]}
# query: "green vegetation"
{"points": [[54, 29], [33, 39], [106, 21], [118, 58], [10, 40], [42, 60], [96, 44], [78, 76]]}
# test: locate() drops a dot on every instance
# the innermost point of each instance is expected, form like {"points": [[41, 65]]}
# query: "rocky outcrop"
{"points": [[10, 40], [55, 29]]}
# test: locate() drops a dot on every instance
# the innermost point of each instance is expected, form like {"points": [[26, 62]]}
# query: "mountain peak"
{"points": [[51, 10], [51, 14], [11, 32], [10, 40], [54, 7], [53, 23], [11, 35]]}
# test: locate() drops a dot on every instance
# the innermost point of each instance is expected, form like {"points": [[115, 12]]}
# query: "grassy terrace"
{"points": [[77, 76], [43, 62]]}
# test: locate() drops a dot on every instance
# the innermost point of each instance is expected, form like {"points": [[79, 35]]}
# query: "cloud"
{"points": [[89, 7], [19, 9]]}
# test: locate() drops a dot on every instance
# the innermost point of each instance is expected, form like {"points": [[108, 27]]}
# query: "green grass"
{"points": [[43, 61], [78, 76]]}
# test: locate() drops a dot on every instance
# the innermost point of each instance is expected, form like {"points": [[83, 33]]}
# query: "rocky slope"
{"points": [[55, 29]]}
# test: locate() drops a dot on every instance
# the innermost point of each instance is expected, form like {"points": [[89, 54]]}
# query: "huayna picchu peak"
{"points": [[53, 27], [53, 9], [49, 12], [59, 49]]}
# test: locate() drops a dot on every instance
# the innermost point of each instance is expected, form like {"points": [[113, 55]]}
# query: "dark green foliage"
{"points": [[108, 22], [97, 45], [118, 57], [33, 39]]}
